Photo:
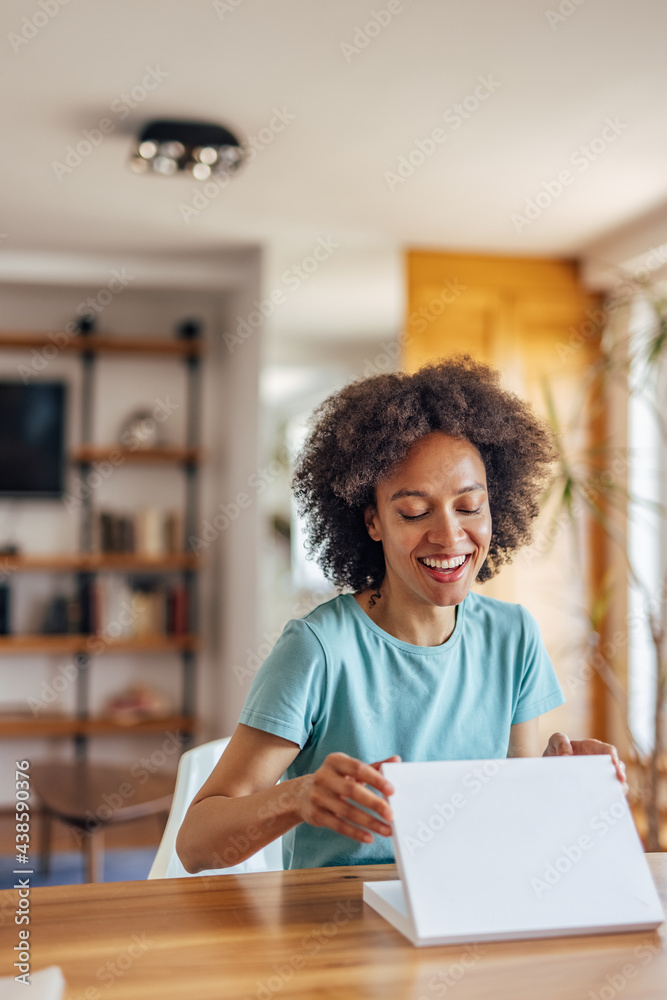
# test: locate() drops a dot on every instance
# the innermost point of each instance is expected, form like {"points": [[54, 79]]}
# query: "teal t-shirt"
{"points": [[335, 681]]}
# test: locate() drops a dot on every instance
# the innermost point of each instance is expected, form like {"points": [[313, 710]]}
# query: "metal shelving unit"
{"points": [[86, 563]]}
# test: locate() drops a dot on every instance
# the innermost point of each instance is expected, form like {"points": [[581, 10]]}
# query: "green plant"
{"points": [[590, 481]]}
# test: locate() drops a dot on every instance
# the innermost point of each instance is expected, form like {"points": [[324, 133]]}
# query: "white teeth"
{"points": [[444, 563]]}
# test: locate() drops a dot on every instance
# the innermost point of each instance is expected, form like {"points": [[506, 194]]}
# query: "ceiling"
{"points": [[534, 86]]}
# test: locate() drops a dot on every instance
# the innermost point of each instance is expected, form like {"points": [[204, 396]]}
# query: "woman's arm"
{"points": [[236, 811], [240, 809], [524, 739]]}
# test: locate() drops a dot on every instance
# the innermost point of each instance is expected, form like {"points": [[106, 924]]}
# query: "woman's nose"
{"points": [[446, 531]]}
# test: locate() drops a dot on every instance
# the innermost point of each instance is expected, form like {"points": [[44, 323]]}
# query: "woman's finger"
{"points": [[581, 747], [330, 806], [346, 788], [327, 819], [365, 774], [395, 759], [558, 746]]}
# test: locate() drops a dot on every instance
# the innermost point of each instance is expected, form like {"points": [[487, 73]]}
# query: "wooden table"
{"points": [[302, 934]]}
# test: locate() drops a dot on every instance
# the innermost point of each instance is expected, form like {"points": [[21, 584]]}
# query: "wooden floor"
{"points": [[138, 833]]}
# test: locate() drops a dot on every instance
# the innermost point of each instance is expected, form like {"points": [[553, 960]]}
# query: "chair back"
{"points": [[194, 768]]}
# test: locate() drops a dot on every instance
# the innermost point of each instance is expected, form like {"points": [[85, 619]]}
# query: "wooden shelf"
{"points": [[22, 726], [88, 350], [98, 561], [91, 644], [119, 456], [98, 342]]}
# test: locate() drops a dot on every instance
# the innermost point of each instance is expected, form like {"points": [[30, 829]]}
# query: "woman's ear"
{"points": [[370, 520]]}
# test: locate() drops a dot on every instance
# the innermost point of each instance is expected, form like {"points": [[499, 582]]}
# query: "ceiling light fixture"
{"points": [[204, 150]]}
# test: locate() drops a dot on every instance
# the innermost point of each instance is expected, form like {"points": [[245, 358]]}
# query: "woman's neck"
{"points": [[417, 624]]}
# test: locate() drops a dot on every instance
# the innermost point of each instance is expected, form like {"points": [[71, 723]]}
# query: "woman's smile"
{"points": [[445, 569]]}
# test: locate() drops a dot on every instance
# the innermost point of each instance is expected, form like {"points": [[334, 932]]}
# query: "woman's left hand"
{"points": [[559, 745]]}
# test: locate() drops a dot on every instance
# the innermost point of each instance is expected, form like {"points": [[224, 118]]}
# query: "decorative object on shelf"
{"points": [[202, 149], [147, 607], [189, 329], [136, 703], [112, 607], [141, 430], [149, 531], [85, 325]]}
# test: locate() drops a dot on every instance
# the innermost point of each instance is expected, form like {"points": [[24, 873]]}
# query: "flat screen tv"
{"points": [[32, 439]]}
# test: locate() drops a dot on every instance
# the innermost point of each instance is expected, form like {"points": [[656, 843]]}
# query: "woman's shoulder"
{"points": [[503, 614], [318, 620], [329, 614], [311, 638]]}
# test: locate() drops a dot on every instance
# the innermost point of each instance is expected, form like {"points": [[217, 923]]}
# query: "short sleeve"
{"points": [[287, 693], [538, 689]]}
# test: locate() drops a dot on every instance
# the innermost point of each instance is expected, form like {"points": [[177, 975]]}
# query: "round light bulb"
{"points": [[139, 165], [201, 171], [173, 150], [164, 165], [231, 155], [148, 149]]}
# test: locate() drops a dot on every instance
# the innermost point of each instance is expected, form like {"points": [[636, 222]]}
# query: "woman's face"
{"points": [[433, 507]]}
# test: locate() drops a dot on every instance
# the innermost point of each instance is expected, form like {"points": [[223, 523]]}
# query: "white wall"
{"points": [[43, 294], [240, 554]]}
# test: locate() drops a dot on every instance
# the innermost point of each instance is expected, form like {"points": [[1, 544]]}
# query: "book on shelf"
{"points": [[149, 531], [111, 608], [137, 606], [177, 610], [63, 616]]}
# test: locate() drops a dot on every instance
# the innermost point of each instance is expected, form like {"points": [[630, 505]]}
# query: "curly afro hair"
{"points": [[359, 433]]}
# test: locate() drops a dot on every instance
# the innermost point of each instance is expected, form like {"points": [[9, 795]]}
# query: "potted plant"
{"points": [[592, 481]]}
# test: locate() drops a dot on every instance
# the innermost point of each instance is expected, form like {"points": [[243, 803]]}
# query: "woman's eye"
{"points": [[416, 517]]}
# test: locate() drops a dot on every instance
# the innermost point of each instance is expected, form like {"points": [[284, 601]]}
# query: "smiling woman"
{"points": [[413, 488], [362, 434]]}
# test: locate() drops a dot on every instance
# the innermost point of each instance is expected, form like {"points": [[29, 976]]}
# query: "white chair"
{"points": [[194, 768]]}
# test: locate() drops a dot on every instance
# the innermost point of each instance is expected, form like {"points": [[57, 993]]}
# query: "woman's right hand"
{"points": [[323, 796]]}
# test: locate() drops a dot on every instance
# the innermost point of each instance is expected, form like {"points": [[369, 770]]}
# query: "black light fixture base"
{"points": [[170, 146]]}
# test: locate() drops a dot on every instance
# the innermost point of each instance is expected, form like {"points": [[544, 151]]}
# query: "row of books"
{"points": [[117, 608], [149, 531]]}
